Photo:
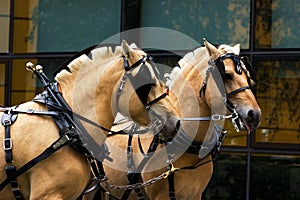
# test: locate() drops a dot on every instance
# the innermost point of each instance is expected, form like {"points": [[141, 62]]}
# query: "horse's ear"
{"points": [[236, 49], [126, 48], [212, 50]]}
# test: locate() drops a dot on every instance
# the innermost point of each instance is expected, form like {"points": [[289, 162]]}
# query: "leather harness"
{"points": [[212, 147], [62, 115]]}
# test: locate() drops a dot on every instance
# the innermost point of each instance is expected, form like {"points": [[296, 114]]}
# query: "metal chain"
{"points": [[144, 184]]}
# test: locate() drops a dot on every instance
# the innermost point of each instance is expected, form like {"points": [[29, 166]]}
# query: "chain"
{"points": [[144, 184]]}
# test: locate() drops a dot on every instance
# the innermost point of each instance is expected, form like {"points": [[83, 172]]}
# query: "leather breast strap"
{"points": [[8, 118]]}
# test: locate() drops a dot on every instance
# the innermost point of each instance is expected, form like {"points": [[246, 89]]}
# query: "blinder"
{"points": [[142, 81], [238, 61], [235, 58]]}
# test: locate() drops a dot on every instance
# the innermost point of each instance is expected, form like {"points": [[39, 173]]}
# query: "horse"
{"points": [[204, 104], [46, 140]]}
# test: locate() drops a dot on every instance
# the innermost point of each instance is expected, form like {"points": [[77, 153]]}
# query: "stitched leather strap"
{"points": [[10, 170], [8, 118]]}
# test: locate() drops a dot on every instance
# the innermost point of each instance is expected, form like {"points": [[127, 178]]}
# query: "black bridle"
{"points": [[217, 67], [142, 82], [218, 64]]}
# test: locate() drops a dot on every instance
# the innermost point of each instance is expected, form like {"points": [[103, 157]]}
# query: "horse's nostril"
{"points": [[178, 124], [251, 115]]}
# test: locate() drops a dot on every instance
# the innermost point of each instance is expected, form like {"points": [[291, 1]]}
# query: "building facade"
{"points": [[261, 165]]}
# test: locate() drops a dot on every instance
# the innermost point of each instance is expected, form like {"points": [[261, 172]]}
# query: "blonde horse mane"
{"points": [[189, 59], [193, 57], [100, 56]]}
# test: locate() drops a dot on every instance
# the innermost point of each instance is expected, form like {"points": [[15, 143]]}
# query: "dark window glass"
{"points": [[62, 25], [278, 93], [275, 177], [2, 82], [229, 178], [165, 64], [4, 24], [277, 24], [221, 21]]}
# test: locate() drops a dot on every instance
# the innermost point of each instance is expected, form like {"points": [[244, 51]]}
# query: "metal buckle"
{"points": [[61, 141], [29, 111], [7, 144], [7, 122], [233, 121], [217, 117]]}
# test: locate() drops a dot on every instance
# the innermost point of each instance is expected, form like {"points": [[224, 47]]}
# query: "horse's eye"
{"points": [[228, 76]]}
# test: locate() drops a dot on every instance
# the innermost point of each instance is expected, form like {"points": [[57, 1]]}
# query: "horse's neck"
{"points": [[90, 93], [186, 88]]}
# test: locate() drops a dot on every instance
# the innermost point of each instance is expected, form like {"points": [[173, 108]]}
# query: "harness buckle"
{"points": [[7, 122], [7, 144], [61, 141], [234, 120], [217, 117], [30, 111]]}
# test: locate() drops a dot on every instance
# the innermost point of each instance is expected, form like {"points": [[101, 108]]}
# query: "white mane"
{"points": [[224, 48], [191, 58], [100, 56]]}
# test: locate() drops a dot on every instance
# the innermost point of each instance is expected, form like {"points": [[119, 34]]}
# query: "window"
{"points": [[229, 178], [278, 93], [277, 24], [62, 25], [275, 177], [219, 21], [4, 24], [2, 82]]}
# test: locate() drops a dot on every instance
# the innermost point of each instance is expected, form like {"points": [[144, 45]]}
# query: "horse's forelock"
{"points": [[224, 48]]}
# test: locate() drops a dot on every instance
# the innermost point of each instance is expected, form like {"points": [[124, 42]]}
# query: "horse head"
{"points": [[237, 79], [146, 95]]}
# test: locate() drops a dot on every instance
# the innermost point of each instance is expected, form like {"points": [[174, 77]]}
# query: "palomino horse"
{"points": [[195, 89], [44, 139]]}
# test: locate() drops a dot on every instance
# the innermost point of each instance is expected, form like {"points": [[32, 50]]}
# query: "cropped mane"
{"points": [[193, 57], [95, 54], [190, 58], [224, 48]]}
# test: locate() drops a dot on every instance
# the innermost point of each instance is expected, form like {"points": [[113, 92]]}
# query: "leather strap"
{"points": [[171, 186], [10, 170], [64, 140], [8, 118], [135, 176]]}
